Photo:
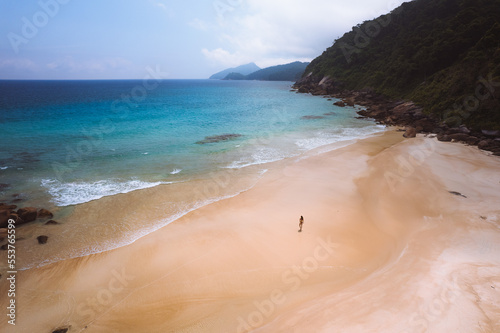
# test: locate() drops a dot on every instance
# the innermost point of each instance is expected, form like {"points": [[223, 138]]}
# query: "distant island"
{"points": [[243, 70], [288, 72]]}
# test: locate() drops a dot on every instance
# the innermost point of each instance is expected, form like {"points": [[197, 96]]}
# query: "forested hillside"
{"points": [[442, 54]]}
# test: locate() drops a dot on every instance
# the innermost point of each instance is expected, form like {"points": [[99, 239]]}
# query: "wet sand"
{"points": [[385, 247]]}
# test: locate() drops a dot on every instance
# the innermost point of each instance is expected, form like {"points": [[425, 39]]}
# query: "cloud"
{"points": [[71, 65], [168, 10], [18, 64], [221, 56], [269, 32], [199, 24]]}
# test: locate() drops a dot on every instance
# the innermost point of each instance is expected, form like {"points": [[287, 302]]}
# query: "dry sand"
{"points": [[385, 248]]}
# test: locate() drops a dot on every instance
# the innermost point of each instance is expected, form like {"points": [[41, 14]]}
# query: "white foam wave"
{"points": [[135, 234], [261, 156], [175, 171], [346, 134], [4, 168], [67, 194]]}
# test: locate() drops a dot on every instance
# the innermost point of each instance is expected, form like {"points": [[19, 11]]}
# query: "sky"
{"points": [[181, 39]]}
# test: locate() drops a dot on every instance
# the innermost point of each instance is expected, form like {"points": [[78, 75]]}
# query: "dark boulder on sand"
{"points": [[411, 132], [4, 218], [44, 213], [459, 137], [5, 214], [42, 239], [61, 330], [28, 214], [51, 222], [443, 138]]}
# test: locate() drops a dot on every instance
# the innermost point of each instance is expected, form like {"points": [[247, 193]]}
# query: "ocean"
{"points": [[67, 143]]}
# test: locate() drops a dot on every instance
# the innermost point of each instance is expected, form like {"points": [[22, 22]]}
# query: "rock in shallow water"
{"points": [[311, 117], [218, 138]]}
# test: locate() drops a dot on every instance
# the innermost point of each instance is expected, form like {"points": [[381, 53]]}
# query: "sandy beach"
{"points": [[400, 235]]}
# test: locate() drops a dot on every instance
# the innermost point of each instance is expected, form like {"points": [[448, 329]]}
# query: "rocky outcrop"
{"points": [[398, 113], [22, 215]]}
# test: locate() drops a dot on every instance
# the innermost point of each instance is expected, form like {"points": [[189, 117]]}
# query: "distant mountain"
{"points": [[288, 72], [243, 70]]}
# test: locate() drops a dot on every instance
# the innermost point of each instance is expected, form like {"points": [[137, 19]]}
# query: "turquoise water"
{"points": [[70, 142]]}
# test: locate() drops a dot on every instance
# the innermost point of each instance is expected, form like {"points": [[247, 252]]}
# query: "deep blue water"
{"points": [[70, 142]]}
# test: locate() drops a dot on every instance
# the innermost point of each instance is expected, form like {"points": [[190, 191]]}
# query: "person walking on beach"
{"points": [[301, 222]]}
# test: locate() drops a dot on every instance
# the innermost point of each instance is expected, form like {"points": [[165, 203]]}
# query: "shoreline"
{"points": [[138, 207], [391, 112], [239, 264]]}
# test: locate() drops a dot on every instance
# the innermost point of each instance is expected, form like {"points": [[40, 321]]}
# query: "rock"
{"points": [[443, 137], [4, 247], [44, 213], [464, 129], [311, 117], [42, 239], [411, 132], [457, 193], [349, 102], [483, 144], [3, 233], [4, 186], [4, 218], [16, 218], [27, 214], [51, 222], [426, 124], [218, 138], [339, 103], [4, 206], [61, 330], [472, 140], [491, 133], [459, 137]]}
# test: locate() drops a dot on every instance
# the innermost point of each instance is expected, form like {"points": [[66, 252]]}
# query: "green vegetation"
{"points": [[440, 54], [288, 72]]}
